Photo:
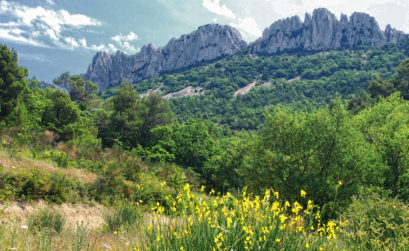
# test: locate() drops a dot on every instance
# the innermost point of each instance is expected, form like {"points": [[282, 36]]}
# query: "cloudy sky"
{"points": [[54, 36]]}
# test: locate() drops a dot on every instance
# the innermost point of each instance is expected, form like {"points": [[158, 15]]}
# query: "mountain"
{"points": [[320, 32], [207, 43], [323, 31]]}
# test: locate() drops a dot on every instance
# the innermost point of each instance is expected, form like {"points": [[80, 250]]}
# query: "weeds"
{"points": [[125, 215], [46, 220]]}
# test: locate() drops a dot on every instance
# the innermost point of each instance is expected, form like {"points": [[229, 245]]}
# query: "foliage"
{"points": [[36, 184], [244, 223], [60, 114], [376, 223], [12, 80], [302, 81], [124, 215], [386, 127], [47, 219]]}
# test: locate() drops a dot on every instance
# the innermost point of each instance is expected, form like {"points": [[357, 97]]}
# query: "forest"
{"points": [[320, 162]]}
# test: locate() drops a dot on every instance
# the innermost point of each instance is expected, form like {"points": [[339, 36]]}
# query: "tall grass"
{"points": [[124, 216], [47, 220]]}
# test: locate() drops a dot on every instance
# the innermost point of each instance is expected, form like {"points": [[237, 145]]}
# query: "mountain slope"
{"points": [[320, 32], [323, 31], [207, 43]]}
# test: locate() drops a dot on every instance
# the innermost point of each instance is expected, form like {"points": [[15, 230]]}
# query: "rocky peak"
{"points": [[323, 31], [207, 43]]}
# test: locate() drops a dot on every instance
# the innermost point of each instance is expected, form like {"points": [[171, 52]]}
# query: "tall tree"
{"points": [[12, 80]]}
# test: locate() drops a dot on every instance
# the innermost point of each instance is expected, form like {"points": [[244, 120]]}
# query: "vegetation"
{"points": [[325, 166]]}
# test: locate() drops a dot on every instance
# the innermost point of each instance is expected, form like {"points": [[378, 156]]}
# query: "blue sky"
{"points": [[54, 36]]}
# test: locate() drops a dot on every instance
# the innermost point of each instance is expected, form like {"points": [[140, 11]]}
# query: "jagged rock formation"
{"points": [[323, 31], [207, 43], [319, 32]]}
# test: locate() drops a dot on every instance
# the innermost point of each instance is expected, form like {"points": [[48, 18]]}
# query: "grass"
{"points": [[191, 221], [46, 220]]}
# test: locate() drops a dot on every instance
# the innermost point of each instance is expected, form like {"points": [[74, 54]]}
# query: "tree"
{"points": [[386, 127], [311, 151], [80, 91], [155, 112], [124, 122], [60, 114], [12, 80]]}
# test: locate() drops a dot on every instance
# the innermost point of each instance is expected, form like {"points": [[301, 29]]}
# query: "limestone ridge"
{"points": [[207, 43], [319, 32], [323, 31]]}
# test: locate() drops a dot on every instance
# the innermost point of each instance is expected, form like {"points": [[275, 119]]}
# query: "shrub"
{"points": [[377, 223], [124, 215], [47, 220]]}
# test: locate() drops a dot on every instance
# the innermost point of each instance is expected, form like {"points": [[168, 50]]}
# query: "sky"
{"points": [[56, 36]]}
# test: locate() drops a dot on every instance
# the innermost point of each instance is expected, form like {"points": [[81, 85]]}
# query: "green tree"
{"points": [[12, 80], [155, 112], [123, 126], [60, 114], [309, 151], [386, 127]]}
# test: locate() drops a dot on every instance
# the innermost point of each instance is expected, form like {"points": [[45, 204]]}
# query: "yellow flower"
{"points": [[303, 193], [202, 189], [115, 233], [307, 245], [181, 248], [278, 240], [340, 182]]}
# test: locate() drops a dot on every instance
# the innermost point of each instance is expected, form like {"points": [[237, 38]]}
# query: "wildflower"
{"points": [[340, 182], [115, 233], [202, 188], [181, 248], [307, 245], [278, 240], [303, 193]]}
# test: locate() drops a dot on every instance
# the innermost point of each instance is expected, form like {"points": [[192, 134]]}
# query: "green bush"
{"points": [[377, 223], [124, 215], [47, 220]]}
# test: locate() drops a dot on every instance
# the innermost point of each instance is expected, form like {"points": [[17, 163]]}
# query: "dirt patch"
{"points": [[149, 92], [246, 89], [23, 163], [88, 214], [267, 84], [186, 92], [294, 79]]}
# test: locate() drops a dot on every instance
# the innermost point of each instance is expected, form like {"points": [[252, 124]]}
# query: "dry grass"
{"points": [[23, 163], [88, 214]]}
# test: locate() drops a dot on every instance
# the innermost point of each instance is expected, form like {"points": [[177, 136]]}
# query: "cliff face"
{"points": [[323, 31], [319, 32], [207, 43]]}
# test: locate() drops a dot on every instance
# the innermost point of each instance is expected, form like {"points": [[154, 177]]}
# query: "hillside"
{"points": [[214, 147], [301, 80]]}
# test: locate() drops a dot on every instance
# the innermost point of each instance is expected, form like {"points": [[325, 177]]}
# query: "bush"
{"points": [[377, 223], [47, 220], [124, 215]]}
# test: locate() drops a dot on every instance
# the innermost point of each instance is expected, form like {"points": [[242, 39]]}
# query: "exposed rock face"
{"points": [[323, 31], [319, 32], [207, 43]]}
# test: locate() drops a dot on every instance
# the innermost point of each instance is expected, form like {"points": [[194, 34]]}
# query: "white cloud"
{"points": [[50, 2], [248, 26], [35, 57], [215, 7], [124, 42], [39, 26]]}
